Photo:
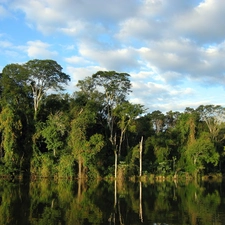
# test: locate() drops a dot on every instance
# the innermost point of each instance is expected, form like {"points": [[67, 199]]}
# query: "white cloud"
{"points": [[142, 75], [69, 15], [139, 28], [9, 51], [77, 60], [112, 59], [3, 12], [170, 48], [41, 14], [5, 44], [204, 23], [80, 73], [39, 49], [162, 97]]}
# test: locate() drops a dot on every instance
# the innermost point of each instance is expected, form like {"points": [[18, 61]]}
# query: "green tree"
{"points": [[201, 152], [171, 119], [111, 89], [43, 76], [157, 118], [14, 89], [126, 114], [54, 132], [84, 146], [54, 103], [197, 149], [186, 129], [11, 128], [40, 75], [16, 108], [214, 117]]}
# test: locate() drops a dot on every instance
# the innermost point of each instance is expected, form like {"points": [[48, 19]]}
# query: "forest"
{"points": [[96, 132]]}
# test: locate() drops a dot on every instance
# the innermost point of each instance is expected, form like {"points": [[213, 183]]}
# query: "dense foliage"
{"points": [[96, 131]]}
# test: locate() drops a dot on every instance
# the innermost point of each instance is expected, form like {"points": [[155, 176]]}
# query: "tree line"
{"points": [[96, 131]]}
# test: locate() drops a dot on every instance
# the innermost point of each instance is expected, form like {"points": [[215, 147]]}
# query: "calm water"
{"points": [[48, 202]]}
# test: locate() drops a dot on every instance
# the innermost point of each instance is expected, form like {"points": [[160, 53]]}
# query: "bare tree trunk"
{"points": [[79, 191], [120, 144], [116, 159], [140, 202], [115, 193], [52, 204], [115, 147], [141, 148], [79, 168], [120, 214], [112, 218]]}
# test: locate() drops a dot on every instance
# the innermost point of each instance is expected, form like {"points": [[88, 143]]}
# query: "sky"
{"points": [[174, 50]]}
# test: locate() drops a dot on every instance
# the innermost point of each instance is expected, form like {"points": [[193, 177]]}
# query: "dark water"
{"points": [[63, 202]]}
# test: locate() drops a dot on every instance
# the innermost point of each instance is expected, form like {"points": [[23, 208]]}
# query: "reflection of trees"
{"points": [[67, 202], [122, 203], [139, 203], [63, 203], [198, 204], [82, 212], [44, 208], [128, 204], [82, 208], [120, 211], [14, 202], [164, 203], [160, 203]]}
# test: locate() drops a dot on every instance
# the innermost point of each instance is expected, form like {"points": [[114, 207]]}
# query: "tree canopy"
{"points": [[96, 131]]}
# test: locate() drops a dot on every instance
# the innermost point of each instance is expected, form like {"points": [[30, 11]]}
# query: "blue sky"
{"points": [[174, 50]]}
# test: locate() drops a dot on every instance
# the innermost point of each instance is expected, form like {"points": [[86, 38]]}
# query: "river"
{"points": [[64, 202]]}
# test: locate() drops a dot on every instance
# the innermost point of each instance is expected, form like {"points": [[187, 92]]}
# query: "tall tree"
{"points": [[171, 119], [201, 152], [11, 129], [14, 88], [112, 88], [40, 75], [186, 130], [214, 117], [127, 113], [43, 76], [84, 144], [54, 132], [16, 101], [157, 119]]}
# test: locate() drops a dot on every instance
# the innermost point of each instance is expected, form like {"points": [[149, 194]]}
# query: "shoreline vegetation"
{"points": [[97, 133], [146, 178]]}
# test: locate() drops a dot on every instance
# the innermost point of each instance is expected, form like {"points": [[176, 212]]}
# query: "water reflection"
{"points": [[67, 202]]}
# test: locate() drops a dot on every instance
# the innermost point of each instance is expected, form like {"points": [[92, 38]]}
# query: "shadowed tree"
{"points": [[14, 86], [11, 129], [16, 114]]}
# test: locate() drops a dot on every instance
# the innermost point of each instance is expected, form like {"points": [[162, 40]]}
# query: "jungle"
{"points": [[96, 132]]}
